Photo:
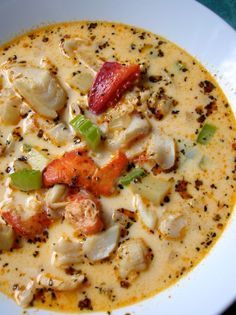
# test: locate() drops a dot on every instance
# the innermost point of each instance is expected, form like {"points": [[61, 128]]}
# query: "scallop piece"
{"points": [[24, 296], [101, 245], [132, 257], [7, 236], [162, 149], [9, 107], [55, 195], [69, 283], [173, 226], [146, 211], [124, 217], [66, 252], [39, 88], [59, 134]]}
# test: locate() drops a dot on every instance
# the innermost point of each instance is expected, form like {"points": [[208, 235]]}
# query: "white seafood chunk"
{"points": [[173, 225], [68, 283], [66, 252], [123, 217], [161, 148], [146, 211], [132, 257], [137, 128], [9, 107], [39, 88], [122, 111], [33, 204], [59, 134], [100, 246], [55, 195], [137, 148], [24, 296], [29, 124], [7, 236], [7, 201]]}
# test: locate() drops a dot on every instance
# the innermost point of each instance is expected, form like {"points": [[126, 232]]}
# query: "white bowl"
{"points": [[210, 287]]}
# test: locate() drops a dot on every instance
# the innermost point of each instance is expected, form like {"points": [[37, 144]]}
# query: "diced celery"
{"points": [[132, 175], [88, 130], [27, 180]]}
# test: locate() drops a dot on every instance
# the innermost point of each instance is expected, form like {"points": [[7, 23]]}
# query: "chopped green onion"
{"points": [[132, 175], [27, 180], [89, 131], [206, 134]]}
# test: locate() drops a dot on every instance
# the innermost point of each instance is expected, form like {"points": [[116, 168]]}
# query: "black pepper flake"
{"points": [[160, 53], [36, 253], [45, 39], [155, 78], [207, 86], [166, 199], [85, 304], [8, 169], [124, 284], [40, 133], [201, 119], [92, 26]]}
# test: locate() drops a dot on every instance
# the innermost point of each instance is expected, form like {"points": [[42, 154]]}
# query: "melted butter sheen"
{"points": [[211, 204]]}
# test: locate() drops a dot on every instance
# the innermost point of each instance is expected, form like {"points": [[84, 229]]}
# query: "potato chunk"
{"points": [[152, 188]]}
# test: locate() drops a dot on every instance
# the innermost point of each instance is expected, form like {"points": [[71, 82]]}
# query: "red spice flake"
{"points": [[210, 108], [124, 284], [181, 188]]}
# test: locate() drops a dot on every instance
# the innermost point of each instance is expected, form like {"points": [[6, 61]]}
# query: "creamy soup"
{"points": [[117, 165]]}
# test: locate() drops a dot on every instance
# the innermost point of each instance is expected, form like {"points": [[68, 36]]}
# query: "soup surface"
{"points": [[117, 165]]}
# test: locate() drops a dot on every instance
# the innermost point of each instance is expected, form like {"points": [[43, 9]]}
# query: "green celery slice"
{"points": [[206, 134], [27, 180], [133, 174], [93, 137], [89, 131]]}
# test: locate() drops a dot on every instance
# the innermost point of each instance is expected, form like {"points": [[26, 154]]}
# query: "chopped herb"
{"points": [[206, 134]]}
